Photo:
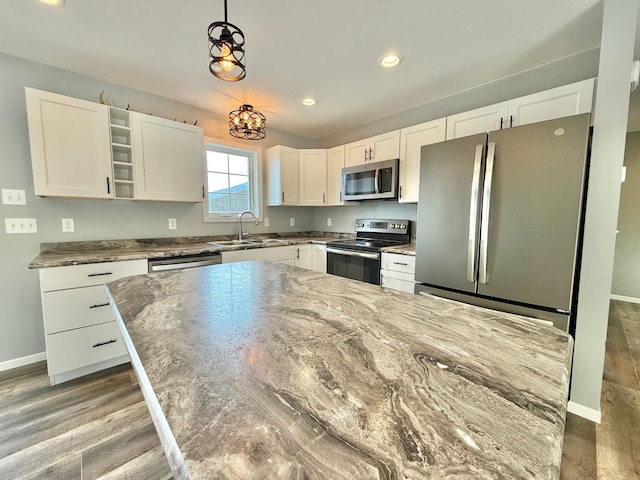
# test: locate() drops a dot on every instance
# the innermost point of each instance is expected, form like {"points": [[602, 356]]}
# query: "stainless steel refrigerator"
{"points": [[499, 218]]}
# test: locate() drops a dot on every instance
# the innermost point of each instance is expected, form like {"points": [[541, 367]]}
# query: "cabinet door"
{"points": [[411, 141], [275, 254], [356, 153], [168, 159], [313, 177], [480, 120], [564, 101], [335, 164], [303, 257], [70, 146], [282, 176], [385, 146], [319, 260]]}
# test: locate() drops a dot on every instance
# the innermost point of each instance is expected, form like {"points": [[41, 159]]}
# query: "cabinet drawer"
{"points": [[75, 308], [397, 284], [83, 346], [274, 254], [399, 263], [59, 278]]}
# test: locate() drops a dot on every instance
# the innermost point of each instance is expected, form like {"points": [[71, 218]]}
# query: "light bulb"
{"points": [[227, 63]]}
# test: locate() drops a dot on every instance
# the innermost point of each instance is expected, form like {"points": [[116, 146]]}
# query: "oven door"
{"points": [[362, 266]]}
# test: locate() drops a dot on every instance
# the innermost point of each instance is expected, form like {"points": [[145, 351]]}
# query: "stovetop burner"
{"points": [[372, 235]]}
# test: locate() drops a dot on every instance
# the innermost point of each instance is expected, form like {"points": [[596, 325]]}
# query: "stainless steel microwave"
{"points": [[371, 181]]}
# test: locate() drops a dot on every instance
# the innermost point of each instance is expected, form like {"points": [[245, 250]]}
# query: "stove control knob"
{"points": [[403, 226]]}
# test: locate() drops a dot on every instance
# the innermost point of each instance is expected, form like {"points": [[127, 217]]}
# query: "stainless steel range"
{"points": [[359, 258]]}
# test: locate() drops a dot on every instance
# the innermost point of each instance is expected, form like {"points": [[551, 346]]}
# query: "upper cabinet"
{"points": [[313, 177], [168, 159], [70, 146], [411, 141], [572, 99], [385, 146], [84, 149], [335, 164], [282, 176]]}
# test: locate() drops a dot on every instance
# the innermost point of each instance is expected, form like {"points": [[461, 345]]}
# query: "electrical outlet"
{"points": [[68, 225], [292, 222], [21, 225], [266, 221], [173, 224], [13, 197], [328, 221]]}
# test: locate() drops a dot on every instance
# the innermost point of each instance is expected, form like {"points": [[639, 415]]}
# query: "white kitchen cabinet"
{"points": [[303, 256], [411, 141], [572, 99], [168, 159], [284, 254], [282, 176], [335, 164], [81, 333], [313, 177], [398, 272], [385, 146], [70, 146], [319, 258]]}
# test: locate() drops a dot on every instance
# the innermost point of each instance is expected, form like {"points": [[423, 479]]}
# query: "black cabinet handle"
{"points": [[108, 186], [99, 305], [99, 274], [100, 344], [510, 121]]}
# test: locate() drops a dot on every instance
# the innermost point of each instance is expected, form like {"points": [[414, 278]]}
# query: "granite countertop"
{"points": [[258, 370], [78, 253], [407, 249]]}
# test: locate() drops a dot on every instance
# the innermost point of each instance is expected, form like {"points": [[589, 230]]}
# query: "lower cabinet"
{"points": [[311, 257], [81, 333], [398, 272], [275, 254]]}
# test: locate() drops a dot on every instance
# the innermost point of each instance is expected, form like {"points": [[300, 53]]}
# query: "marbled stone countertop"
{"points": [[408, 249], [258, 370], [78, 253]]}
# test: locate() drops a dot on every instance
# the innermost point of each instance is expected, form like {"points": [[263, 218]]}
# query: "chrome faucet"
{"points": [[257, 222]]}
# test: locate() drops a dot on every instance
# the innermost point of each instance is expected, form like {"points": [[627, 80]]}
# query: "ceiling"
{"points": [[327, 49]]}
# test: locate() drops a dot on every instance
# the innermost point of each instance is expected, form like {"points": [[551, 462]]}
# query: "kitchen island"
{"points": [[262, 370]]}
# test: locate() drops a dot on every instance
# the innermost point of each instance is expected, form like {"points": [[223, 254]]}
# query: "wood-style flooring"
{"points": [[98, 427], [611, 450]]}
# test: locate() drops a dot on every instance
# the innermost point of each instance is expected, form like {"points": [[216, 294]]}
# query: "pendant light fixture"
{"points": [[247, 123], [226, 50]]}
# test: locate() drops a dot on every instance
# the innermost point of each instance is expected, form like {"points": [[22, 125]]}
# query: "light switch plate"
{"points": [[173, 224], [13, 197], [292, 222], [328, 221], [21, 225], [266, 221]]}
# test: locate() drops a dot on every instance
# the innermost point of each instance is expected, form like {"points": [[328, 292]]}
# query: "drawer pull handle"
{"points": [[400, 263], [100, 344], [100, 305], [99, 274]]}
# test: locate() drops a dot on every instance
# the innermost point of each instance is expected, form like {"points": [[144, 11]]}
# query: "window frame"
{"points": [[255, 178]]}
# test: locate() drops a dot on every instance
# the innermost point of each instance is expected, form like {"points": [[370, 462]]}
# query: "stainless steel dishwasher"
{"points": [[187, 261]]}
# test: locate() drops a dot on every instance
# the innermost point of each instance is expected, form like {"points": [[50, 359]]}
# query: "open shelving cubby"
{"points": [[121, 153]]}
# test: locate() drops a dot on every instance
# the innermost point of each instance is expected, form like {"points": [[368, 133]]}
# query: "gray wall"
{"points": [[626, 268], [21, 331]]}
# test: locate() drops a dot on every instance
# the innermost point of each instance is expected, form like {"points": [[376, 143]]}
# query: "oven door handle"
{"points": [[350, 253]]}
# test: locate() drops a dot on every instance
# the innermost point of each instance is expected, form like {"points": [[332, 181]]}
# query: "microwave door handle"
{"points": [[377, 180]]}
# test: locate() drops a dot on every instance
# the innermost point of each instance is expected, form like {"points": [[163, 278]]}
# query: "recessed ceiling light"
{"points": [[390, 60], [309, 101], [53, 3]]}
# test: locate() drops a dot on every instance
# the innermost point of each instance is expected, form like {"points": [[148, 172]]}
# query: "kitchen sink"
{"points": [[227, 243]]}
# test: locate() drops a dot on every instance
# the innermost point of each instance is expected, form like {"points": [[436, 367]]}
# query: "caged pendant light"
{"points": [[226, 50], [247, 123]]}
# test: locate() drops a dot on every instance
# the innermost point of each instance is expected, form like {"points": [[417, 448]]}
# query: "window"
{"points": [[233, 175]]}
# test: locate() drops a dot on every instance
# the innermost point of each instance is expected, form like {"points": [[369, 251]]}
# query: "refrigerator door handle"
{"points": [[486, 207], [473, 215]]}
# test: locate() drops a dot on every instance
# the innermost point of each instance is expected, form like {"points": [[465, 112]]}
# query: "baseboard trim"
{"points": [[22, 361], [622, 298], [584, 412]]}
